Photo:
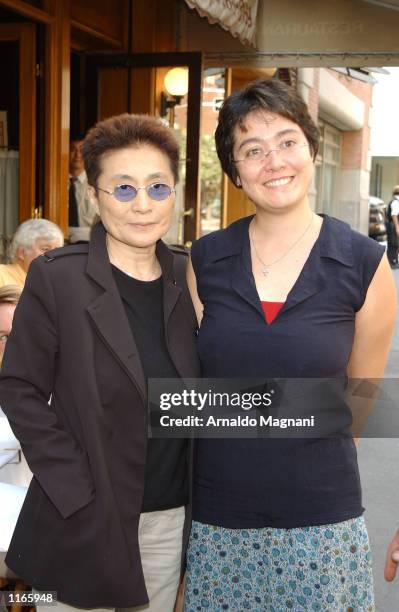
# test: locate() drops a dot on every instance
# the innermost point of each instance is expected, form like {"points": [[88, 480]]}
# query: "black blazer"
{"points": [[71, 344]]}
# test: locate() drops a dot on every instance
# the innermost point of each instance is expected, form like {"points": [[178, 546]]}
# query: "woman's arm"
{"points": [[26, 384], [192, 285], [374, 326], [392, 558]]}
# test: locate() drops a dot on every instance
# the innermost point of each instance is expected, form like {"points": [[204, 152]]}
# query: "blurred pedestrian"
{"points": [[393, 228]]}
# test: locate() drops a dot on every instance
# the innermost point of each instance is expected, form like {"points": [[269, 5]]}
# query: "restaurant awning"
{"points": [[236, 16], [307, 33]]}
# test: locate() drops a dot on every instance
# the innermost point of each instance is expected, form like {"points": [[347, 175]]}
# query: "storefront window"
{"points": [[327, 169], [213, 92]]}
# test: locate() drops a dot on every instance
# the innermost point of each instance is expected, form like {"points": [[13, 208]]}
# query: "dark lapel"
{"points": [[108, 313], [171, 292], [334, 242], [309, 282], [107, 310], [311, 279], [242, 278], [233, 243]]}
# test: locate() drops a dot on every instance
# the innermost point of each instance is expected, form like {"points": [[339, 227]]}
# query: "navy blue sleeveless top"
{"points": [[249, 483]]}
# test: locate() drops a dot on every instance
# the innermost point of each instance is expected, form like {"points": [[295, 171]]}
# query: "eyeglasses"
{"points": [[288, 149], [127, 193]]}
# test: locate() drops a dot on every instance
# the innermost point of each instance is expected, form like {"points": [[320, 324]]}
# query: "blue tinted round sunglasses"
{"points": [[127, 193]]}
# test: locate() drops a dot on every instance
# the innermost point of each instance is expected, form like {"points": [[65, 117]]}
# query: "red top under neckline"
{"points": [[271, 310]]}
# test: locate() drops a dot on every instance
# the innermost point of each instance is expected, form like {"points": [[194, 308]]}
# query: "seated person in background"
{"points": [[31, 239], [17, 473], [82, 211], [9, 296], [10, 473]]}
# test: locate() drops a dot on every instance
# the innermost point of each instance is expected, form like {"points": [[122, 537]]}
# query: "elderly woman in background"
{"points": [[285, 293], [9, 296], [16, 473], [31, 239], [103, 520]]}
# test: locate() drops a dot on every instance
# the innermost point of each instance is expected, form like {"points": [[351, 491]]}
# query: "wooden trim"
{"points": [[25, 34], [27, 121], [110, 40], [10, 31], [57, 108], [27, 10], [192, 187]]}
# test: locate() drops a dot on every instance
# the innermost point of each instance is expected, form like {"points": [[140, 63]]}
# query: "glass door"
{"points": [[153, 83], [17, 127]]}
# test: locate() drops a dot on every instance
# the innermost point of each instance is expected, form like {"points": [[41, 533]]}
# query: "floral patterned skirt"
{"points": [[270, 570]]}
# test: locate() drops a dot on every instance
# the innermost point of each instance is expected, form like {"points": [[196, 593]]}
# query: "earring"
{"points": [[238, 182]]}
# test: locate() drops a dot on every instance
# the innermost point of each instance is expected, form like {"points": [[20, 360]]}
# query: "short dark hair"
{"points": [[124, 131], [270, 95]]}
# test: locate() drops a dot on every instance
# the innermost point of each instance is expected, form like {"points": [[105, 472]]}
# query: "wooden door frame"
{"points": [[25, 35], [193, 61], [57, 109]]}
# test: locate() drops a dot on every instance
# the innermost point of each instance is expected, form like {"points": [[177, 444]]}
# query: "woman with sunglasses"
{"points": [[103, 521], [290, 294]]}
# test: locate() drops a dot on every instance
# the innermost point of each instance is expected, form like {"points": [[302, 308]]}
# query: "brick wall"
{"points": [[313, 101], [355, 144]]}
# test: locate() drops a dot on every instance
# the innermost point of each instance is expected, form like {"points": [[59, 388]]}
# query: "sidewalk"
{"points": [[379, 468]]}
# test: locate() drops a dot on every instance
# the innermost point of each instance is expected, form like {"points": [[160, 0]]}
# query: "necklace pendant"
{"points": [[265, 270]]}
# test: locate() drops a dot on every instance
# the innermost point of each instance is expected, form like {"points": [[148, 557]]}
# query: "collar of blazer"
{"points": [[98, 266], [107, 311]]}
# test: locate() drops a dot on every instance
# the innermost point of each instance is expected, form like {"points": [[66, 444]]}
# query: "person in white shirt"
{"points": [[82, 211], [15, 472], [393, 228]]}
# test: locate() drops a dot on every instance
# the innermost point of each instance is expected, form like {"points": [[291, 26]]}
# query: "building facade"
{"points": [[69, 63]]}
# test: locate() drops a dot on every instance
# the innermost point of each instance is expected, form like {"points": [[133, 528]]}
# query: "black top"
{"points": [[279, 482], [166, 484]]}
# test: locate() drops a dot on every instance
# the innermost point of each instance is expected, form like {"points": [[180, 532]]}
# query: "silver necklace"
{"points": [[265, 268]]}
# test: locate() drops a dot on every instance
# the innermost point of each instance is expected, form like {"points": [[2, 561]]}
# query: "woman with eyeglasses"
{"points": [[103, 522], [283, 294]]}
